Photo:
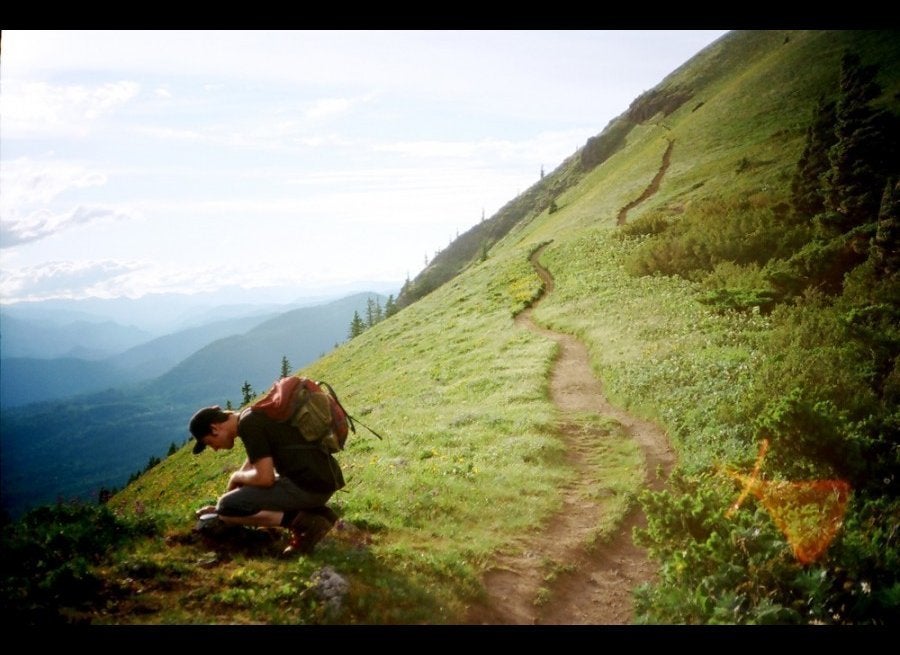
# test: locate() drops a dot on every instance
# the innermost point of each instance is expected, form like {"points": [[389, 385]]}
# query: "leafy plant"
{"points": [[50, 560]]}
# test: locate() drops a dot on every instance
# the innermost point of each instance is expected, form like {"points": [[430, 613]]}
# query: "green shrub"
{"points": [[710, 233], [49, 559], [737, 569]]}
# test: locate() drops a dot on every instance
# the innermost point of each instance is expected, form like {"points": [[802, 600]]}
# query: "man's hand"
{"points": [[209, 509], [259, 474]]}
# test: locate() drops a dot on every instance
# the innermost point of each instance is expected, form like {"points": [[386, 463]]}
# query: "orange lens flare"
{"points": [[809, 513]]}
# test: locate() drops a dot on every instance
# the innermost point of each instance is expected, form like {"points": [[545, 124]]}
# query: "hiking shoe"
{"points": [[208, 522], [307, 530], [211, 526]]}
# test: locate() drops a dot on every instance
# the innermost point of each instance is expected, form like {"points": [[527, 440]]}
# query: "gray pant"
{"points": [[283, 496]]}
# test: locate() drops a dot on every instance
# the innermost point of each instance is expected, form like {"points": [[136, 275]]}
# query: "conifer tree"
{"points": [[885, 251], [807, 195], [247, 392], [374, 313], [863, 155], [357, 327], [285, 366], [390, 307]]}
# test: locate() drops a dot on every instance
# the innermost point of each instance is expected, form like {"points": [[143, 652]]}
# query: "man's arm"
{"points": [[260, 473]]}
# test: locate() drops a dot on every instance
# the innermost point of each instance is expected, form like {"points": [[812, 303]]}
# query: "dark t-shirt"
{"points": [[306, 464]]}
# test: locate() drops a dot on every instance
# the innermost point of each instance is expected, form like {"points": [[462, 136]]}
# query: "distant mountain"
{"points": [[43, 337], [216, 373], [30, 380], [157, 314], [164, 313], [155, 357], [72, 447]]}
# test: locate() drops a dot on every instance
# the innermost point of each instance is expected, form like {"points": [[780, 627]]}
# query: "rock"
{"points": [[331, 588]]}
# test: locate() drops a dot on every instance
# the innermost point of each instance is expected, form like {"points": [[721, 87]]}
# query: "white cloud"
{"points": [[62, 279], [214, 135], [27, 182], [327, 107], [548, 148], [111, 278], [30, 207], [39, 109], [43, 223]]}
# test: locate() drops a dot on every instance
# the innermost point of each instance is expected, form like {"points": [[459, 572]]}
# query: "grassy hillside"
{"points": [[472, 462]]}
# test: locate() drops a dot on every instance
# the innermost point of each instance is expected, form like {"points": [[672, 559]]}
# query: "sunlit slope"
{"points": [[740, 132], [460, 396], [470, 460], [737, 140]]}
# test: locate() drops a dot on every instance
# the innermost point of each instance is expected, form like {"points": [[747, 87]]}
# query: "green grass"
{"points": [[469, 454]]}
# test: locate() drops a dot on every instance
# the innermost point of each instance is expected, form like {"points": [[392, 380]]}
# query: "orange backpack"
{"points": [[316, 413]]}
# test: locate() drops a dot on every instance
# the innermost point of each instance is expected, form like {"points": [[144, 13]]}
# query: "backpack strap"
{"points": [[365, 426], [334, 395], [350, 419]]}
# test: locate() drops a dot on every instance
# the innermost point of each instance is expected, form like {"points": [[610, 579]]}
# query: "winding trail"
{"points": [[652, 188], [580, 585]]}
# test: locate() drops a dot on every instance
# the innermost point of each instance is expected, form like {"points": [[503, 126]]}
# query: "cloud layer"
{"points": [[150, 161]]}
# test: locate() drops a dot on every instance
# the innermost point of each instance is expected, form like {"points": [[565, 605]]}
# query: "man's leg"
{"points": [[263, 519], [283, 504]]}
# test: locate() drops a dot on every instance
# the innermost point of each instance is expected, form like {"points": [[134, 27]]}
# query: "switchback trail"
{"points": [[554, 577], [652, 188]]}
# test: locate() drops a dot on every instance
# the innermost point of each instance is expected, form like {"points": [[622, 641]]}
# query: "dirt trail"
{"points": [[651, 189], [590, 586]]}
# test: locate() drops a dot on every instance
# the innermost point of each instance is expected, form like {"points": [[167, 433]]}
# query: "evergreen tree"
{"points": [[379, 312], [247, 393], [374, 312], [357, 327], [228, 405], [172, 449], [885, 251], [390, 307], [863, 155], [285, 366], [807, 195]]}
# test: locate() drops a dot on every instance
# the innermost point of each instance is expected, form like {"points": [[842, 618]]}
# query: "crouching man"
{"points": [[285, 480]]}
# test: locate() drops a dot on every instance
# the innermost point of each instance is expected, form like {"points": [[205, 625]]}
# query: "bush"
{"points": [[49, 560], [710, 233], [739, 569]]}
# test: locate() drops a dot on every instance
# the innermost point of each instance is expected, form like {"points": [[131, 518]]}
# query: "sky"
{"points": [[136, 162]]}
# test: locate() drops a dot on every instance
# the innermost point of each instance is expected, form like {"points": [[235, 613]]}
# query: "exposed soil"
{"points": [[555, 576], [652, 188]]}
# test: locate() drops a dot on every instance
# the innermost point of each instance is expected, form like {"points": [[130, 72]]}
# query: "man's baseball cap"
{"points": [[201, 424]]}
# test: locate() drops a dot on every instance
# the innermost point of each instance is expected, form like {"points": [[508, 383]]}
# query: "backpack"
{"points": [[316, 413]]}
